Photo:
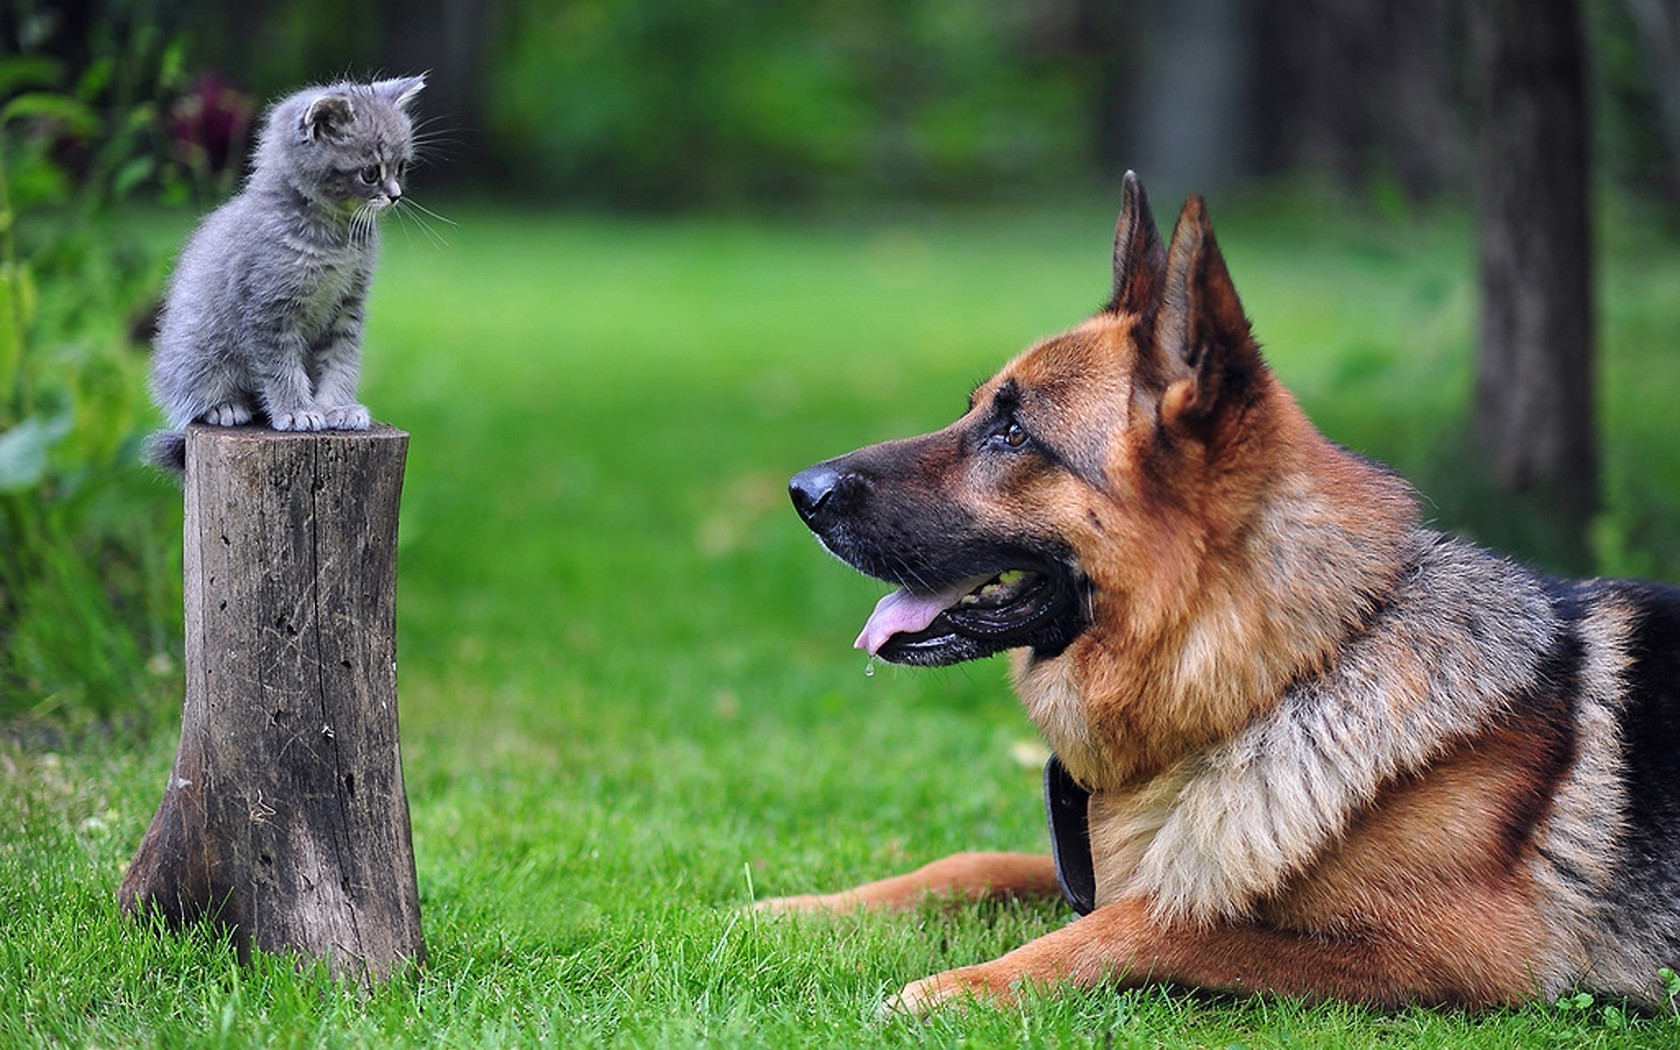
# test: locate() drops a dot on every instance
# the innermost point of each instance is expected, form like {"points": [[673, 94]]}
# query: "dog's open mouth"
{"points": [[974, 616]]}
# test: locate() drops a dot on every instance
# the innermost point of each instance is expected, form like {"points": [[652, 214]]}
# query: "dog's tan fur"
{"points": [[1327, 753]]}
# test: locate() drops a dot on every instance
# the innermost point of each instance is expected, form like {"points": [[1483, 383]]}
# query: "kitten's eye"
{"points": [[402, 168], [370, 174]]}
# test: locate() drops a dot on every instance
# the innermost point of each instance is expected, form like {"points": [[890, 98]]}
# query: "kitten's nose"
{"points": [[393, 191]]}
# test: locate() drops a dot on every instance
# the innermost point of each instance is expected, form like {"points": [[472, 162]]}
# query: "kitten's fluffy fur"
{"points": [[264, 310]]}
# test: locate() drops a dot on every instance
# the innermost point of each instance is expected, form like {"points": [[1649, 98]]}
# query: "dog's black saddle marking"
{"points": [[1066, 805]]}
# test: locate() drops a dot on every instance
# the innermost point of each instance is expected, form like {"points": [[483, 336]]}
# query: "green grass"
{"points": [[629, 702]]}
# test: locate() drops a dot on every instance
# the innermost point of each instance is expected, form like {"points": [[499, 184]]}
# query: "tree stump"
{"points": [[285, 817]]}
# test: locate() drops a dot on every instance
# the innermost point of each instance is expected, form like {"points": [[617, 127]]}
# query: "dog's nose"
{"points": [[811, 488]]}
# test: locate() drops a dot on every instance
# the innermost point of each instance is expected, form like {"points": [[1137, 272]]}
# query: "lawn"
{"points": [[629, 700]]}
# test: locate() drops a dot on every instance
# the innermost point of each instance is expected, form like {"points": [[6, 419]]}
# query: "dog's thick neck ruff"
{"points": [[1219, 622]]}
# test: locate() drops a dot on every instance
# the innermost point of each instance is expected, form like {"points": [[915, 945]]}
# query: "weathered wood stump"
{"points": [[285, 817]]}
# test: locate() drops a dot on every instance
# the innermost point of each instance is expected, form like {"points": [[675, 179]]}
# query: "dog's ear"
{"points": [[327, 117], [1139, 259], [1202, 334]]}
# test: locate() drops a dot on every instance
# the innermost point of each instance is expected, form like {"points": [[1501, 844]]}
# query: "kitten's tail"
{"points": [[167, 451]]}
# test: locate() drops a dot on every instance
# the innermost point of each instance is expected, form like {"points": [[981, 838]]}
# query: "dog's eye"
{"points": [[370, 174], [1013, 435]]}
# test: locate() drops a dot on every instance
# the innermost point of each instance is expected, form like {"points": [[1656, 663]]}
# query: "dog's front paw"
{"points": [[969, 985], [229, 414], [348, 417], [803, 903], [302, 419]]}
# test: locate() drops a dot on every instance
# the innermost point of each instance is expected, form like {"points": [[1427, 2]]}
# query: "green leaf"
{"points": [[76, 116], [130, 175], [1577, 1003], [140, 117], [23, 450], [11, 348], [94, 80], [25, 294], [29, 71], [172, 64]]}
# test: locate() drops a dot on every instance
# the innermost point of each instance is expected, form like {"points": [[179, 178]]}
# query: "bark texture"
{"points": [[285, 816], [1534, 379]]}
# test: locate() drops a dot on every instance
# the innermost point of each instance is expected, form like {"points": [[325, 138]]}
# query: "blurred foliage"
{"points": [[677, 103], [1630, 140], [668, 103], [87, 594], [680, 101]]}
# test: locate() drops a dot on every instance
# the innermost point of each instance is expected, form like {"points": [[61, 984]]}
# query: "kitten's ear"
{"points": [[327, 117], [401, 91]]}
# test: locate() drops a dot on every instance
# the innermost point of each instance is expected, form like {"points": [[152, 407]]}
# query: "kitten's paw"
{"points": [[229, 414], [302, 419], [348, 417]]}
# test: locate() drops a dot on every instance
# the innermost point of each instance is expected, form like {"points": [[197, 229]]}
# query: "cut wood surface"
{"points": [[285, 817]]}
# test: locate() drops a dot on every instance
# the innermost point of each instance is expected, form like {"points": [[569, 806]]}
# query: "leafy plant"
{"points": [[685, 101], [84, 540]]}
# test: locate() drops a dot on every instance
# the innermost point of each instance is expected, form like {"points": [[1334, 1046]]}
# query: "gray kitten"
{"points": [[264, 310]]}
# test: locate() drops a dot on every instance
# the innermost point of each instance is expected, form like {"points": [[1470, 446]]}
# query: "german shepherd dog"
{"points": [[1304, 745]]}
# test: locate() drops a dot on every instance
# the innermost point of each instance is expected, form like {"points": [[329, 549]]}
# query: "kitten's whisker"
{"points": [[411, 221], [436, 238], [425, 142], [402, 220], [421, 137], [429, 121], [427, 139], [432, 153], [428, 211]]}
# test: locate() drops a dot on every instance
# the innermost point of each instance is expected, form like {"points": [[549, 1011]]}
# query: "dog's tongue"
{"points": [[906, 612]]}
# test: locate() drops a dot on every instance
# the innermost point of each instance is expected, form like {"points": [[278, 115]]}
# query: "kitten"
{"points": [[264, 311]]}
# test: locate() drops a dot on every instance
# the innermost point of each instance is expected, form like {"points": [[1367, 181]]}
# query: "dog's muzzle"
{"points": [[816, 490]]}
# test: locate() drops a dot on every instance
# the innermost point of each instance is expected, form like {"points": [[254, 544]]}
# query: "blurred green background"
{"points": [[1341, 134], [689, 248]]}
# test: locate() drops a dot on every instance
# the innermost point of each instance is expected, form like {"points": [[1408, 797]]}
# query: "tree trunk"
{"points": [[1658, 27], [1358, 90], [1188, 96], [1534, 379], [285, 817]]}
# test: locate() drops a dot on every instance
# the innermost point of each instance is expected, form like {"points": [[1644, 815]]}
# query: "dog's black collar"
{"points": [[1066, 805]]}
